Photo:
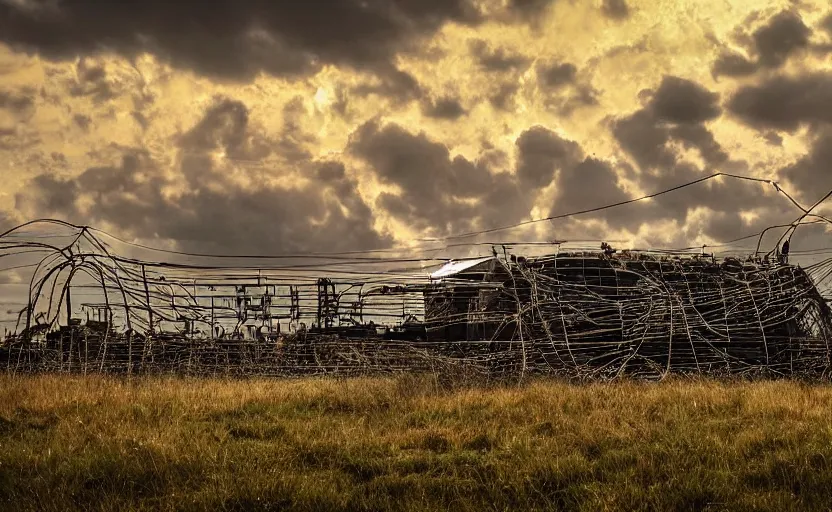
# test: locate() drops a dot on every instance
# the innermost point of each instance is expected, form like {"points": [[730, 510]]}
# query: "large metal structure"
{"points": [[90, 303]]}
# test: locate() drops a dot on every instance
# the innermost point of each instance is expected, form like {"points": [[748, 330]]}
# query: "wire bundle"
{"points": [[92, 302]]}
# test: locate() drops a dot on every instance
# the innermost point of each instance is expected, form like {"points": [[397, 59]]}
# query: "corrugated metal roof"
{"points": [[455, 267]]}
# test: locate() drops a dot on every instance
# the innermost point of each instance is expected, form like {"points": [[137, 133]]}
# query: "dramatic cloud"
{"points": [[674, 111], [556, 75], [644, 139], [444, 108], [696, 136], [683, 101], [432, 184], [209, 207], [561, 89], [448, 194], [784, 34], [771, 44], [812, 174], [503, 98], [226, 126], [785, 103], [269, 127], [231, 39], [496, 60], [541, 152], [500, 62], [6, 222], [591, 183], [734, 65]]}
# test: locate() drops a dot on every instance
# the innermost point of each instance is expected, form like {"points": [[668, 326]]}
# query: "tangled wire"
{"points": [[89, 303]]}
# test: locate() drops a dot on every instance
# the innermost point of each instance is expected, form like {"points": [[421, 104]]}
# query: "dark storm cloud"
{"points": [[615, 9], [59, 158], [812, 174], [500, 93], [18, 139], [785, 103], [451, 194], [722, 194], [592, 183], [640, 135], [676, 112], [431, 181], [231, 39], [696, 136], [497, 59], [503, 98], [733, 64], [724, 226], [443, 108], [51, 196], [226, 126], [678, 100], [783, 35], [214, 212], [556, 74], [541, 153]]}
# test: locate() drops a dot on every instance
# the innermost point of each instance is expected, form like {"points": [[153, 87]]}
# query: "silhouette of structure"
{"points": [[87, 307]]}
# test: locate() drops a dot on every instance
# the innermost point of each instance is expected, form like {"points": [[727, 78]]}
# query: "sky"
{"points": [[255, 127]]}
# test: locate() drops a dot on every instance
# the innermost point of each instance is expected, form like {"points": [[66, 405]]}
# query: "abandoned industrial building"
{"points": [[589, 313]]}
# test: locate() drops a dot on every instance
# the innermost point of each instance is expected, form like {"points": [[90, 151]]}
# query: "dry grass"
{"points": [[410, 444]]}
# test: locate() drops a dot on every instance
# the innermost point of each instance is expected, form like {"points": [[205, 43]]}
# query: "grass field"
{"points": [[97, 443]]}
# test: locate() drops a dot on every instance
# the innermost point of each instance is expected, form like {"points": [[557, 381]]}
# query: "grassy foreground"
{"points": [[405, 444]]}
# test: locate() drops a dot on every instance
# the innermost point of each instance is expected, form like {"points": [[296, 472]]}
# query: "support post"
{"points": [[147, 298], [68, 304]]}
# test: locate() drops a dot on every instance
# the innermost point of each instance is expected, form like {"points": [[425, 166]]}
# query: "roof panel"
{"points": [[455, 267]]}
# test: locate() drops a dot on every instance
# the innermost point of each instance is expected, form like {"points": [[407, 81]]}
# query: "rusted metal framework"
{"points": [[92, 303]]}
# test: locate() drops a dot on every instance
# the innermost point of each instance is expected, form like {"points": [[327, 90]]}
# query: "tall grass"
{"points": [[411, 443]]}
